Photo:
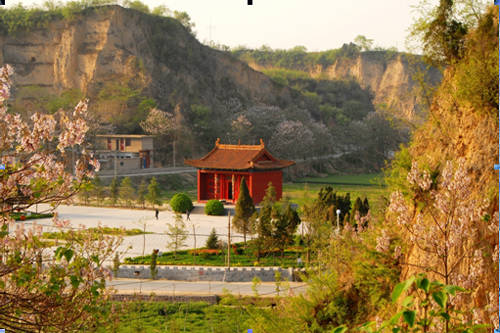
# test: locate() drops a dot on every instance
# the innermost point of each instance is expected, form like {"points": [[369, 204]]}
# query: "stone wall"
{"points": [[206, 273], [212, 299]]}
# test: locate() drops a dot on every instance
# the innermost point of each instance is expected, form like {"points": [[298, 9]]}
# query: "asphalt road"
{"points": [[167, 287]]}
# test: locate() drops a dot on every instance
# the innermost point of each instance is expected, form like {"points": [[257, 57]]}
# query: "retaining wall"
{"points": [[211, 299], [206, 273]]}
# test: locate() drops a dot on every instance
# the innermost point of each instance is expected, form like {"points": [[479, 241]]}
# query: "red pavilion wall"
{"points": [[256, 182], [259, 181]]}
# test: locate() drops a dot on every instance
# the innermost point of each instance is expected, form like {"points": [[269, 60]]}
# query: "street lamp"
{"points": [[338, 217]]}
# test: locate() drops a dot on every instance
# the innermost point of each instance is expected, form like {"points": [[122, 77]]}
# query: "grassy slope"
{"points": [[196, 317]]}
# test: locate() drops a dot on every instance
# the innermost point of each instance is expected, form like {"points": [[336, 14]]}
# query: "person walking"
{"points": [[187, 215], [156, 213]]}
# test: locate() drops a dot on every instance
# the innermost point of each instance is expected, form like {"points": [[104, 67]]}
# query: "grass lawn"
{"points": [[360, 179], [246, 258], [198, 317], [305, 190], [105, 230], [19, 216]]}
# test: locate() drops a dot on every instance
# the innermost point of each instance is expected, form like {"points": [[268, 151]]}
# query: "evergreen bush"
{"points": [[212, 240], [181, 202], [214, 207]]}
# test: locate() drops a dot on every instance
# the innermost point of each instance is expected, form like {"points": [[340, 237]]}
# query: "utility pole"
{"points": [[338, 224], [228, 240], [194, 235], [115, 162]]}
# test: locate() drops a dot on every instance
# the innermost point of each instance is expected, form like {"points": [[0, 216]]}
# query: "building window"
{"points": [[127, 142]]}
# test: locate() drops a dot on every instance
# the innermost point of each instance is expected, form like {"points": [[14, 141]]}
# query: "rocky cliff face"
{"points": [[392, 78], [153, 54]]}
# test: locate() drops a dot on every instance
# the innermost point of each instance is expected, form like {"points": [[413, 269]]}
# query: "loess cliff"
{"points": [[155, 55], [392, 78]]}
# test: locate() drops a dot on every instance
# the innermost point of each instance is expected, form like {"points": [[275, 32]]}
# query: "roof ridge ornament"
{"points": [[262, 143], [217, 142]]}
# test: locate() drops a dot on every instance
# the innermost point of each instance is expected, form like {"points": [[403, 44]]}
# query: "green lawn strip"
{"points": [[105, 230], [359, 179], [18, 216], [142, 316], [246, 258]]}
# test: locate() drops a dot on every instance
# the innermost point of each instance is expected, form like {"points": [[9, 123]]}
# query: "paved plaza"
{"points": [[135, 219]]}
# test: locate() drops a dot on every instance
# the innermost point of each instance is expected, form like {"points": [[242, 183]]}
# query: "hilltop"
{"points": [[127, 62]]}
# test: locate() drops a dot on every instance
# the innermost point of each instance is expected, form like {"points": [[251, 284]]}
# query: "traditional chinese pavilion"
{"points": [[221, 170]]}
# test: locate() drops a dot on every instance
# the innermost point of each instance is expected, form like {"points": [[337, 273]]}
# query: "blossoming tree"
{"points": [[45, 288], [448, 228]]}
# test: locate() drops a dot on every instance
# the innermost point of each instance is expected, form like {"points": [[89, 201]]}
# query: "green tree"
{"points": [[328, 201], [244, 211], [181, 202], [127, 191], [114, 191], [98, 190], [161, 10], [284, 224], [142, 191], [212, 240], [214, 207], [366, 206], [357, 208], [137, 5], [153, 196], [177, 234], [85, 191], [152, 265], [185, 20], [262, 225], [365, 43], [441, 30]]}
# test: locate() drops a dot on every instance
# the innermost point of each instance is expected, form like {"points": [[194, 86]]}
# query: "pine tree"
{"points": [[284, 224], [141, 193], [153, 196], [244, 211], [366, 206], [114, 190], [127, 191], [357, 208], [262, 224], [177, 234], [212, 240], [270, 195]]}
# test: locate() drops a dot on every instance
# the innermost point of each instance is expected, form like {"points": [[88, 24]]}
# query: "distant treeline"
{"points": [[20, 18], [299, 59]]}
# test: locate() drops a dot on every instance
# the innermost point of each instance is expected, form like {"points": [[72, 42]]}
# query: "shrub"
{"points": [[214, 207], [181, 202], [212, 240], [152, 265]]}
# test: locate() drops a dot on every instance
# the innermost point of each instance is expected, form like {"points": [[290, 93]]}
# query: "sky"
{"points": [[316, 24]]}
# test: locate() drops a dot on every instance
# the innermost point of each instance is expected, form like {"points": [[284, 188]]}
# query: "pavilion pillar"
{"points": [[232, 186], [216, 185], [199, 185]]}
